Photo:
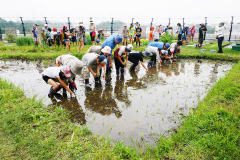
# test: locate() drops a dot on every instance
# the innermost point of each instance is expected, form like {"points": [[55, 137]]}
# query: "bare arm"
{"points": [[126, 58], [90, 69], [110, 61], [64, 86], [144, 66], [119, 58]]}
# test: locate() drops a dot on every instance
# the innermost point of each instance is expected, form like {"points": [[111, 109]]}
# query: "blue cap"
{"points": [[101, 58], [167, 45], [118, 38]]}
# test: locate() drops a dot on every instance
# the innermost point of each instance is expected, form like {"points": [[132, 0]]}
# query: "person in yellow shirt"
{"points": [[131, 34]]}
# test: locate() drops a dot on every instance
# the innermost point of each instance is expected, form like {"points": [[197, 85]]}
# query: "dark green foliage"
{"points": [[24, 41]]}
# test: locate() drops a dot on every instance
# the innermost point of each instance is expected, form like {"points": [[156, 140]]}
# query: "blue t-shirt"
{"points": [[35, 32], [156, 44], [180, 30], [185, 31], [110, 41], [166, 29]]}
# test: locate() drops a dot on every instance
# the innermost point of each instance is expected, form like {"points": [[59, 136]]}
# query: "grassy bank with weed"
{"points": [[188, 52], [29, 130]]}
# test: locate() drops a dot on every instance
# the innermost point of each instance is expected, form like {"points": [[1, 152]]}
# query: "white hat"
{"points": [[106, 49], [45, 25], [163, 51], [171, 50], [76, 66], [129, 47]]}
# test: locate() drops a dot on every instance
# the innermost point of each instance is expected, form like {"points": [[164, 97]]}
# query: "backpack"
{"points": [[155, 35], [93, 34]]}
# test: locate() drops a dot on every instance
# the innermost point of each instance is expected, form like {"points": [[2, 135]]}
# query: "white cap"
{"points": [[129, 47], [106, 49], [45, 25], [171, 50]]}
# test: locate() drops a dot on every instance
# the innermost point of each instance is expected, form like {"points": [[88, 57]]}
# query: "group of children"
{"points": [[133, 33], [98, 61]]}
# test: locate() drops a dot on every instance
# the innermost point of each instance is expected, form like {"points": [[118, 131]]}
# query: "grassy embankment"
{"points": [[30, 130]]}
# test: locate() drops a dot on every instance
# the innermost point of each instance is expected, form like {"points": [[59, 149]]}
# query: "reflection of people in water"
{"points": [[120, 93], [76, 113], [101, 102], [135, 82]]}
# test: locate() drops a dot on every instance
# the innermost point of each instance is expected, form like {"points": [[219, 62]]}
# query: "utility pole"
{"points": [[230, 30], [169, 21], [69, 23], [206, 28], [45, 20], [23, 27], [132, 20], [0, 34], [112, 27], [151, 22], [183, 24]]}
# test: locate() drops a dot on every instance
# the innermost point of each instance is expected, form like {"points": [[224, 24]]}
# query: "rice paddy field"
{"points": [[185, 110]]}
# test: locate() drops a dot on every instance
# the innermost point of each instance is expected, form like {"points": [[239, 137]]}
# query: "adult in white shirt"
{"points": [[220, 30]]}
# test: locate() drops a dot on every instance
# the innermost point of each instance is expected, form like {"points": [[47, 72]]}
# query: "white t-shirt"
{"points": [[95, 49], [64, 59], [91, 27], [220, 31], [89, 60], [154, 51], [122, 51], [174, 46], [52, 72]]}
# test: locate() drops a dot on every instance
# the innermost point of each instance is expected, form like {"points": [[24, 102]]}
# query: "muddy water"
{"points": [[135, 107]]}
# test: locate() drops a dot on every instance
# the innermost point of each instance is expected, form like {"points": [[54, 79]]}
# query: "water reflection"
{"points": [[101, 102], [76, 113]]}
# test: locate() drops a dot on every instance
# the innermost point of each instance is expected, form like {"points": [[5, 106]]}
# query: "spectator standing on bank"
{"points": [[179, 32], [92, 29], [220, 30], [160, 30], [80, 34], [74, 38], [125, 35], [192, 32], [150, 37], [138, 33], [131, 34], [202, 29], [43, 36], [35, 35]]}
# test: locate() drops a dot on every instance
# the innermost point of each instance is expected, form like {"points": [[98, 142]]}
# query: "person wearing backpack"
{"points": [[92, 29]]}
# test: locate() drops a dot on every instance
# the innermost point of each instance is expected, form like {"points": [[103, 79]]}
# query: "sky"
{"points": [[124, 10]]}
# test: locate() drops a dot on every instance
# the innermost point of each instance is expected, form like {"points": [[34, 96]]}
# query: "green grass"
{"points": [[29, 130]]}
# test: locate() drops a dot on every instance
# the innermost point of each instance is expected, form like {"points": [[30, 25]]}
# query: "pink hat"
{"points": [[64, 26], [106, 49], [66, 71]]}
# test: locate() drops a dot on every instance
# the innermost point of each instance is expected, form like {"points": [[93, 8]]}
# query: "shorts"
{"points": [[192, 35], [184, 37], [80, 39], [149, 41], [201, 40], [92, 38], [97, 41], [35, 39], [74, 39], [156, 40], [125, 37], [131, 36], [66, 40], [138, 36], [46, 78]]}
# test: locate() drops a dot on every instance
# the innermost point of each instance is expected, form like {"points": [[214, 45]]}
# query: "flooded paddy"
{"points": [[133, 108]]}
